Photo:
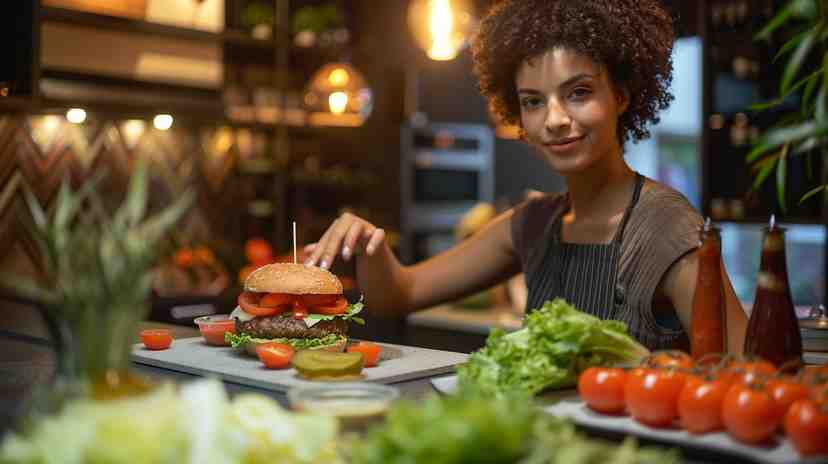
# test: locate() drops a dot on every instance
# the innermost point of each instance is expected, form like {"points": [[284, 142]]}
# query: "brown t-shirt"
{"points": [[662, 227]]}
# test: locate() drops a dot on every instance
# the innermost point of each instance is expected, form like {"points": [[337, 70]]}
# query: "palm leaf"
{"points": [[812, 192], [135, 205], [775, 23], [798, 58], [777, 137], [790, 44], [781, 173], [764, 167], [152, 228]]}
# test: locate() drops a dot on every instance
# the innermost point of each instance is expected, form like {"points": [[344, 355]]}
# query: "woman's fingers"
{"points": [[347, 236], [319, 247], [334, 241], [377, 237], [351, 244]]}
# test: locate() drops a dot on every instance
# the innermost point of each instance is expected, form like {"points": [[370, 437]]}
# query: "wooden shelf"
{"points": [[15, 103], [114, 94], [114, 23]]}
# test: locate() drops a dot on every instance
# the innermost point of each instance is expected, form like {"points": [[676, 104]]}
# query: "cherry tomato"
{"points": [[819, 393], [276, 299], [274, 355], [700, 404], [806, 424], [602, 389], [157, 339], [670, 359], [184, 258], [750, 371], [370, 352], [652, 397], [339, 307], [815, 375], [749, 413], [249, 303], [258, 252], [785, 391]]}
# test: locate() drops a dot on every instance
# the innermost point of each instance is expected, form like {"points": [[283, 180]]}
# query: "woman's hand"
{"points": [[349, 235]]}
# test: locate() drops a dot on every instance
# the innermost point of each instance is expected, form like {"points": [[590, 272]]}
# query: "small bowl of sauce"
{"points": [[214, 327], [356, 405]]}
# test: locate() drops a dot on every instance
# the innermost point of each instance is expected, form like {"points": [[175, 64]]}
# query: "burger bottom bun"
{"points": [[338, 347]]}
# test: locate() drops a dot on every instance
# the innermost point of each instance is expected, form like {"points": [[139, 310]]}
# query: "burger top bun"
{"points": [[296, 279]]}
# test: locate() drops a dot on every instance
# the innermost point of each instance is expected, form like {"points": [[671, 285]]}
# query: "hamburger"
{"points": [[294, 304]]}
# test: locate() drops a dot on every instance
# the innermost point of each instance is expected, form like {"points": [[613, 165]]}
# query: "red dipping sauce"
{"points": [[213, 328]]}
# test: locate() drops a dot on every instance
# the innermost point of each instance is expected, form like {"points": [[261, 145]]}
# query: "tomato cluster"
{"points": [[750, 399]]}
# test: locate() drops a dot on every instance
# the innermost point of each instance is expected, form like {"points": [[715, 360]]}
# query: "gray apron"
{"points": [[585, 275]]}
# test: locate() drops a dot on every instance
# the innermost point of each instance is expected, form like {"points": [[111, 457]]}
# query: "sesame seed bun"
{"points": [[296, 279]]}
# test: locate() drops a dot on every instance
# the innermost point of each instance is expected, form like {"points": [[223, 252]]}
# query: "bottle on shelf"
{"points": [[773, 329]]}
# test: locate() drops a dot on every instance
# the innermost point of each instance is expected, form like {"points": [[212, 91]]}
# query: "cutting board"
{"points": [[193, 356]]}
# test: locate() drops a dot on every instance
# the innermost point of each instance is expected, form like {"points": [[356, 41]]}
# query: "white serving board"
{"points": [[193, 356], [779, 452]]}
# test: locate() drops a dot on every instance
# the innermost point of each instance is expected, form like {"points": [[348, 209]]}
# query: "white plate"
{"points": [[567, 404], [446, 385], [779, 452]]}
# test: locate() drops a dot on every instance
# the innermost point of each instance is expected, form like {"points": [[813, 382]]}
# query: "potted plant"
{"points": [[98, 271], [799, 135], [258, 17]]}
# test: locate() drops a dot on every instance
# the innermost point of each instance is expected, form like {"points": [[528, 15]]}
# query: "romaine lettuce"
{"points": [[555, 344]]}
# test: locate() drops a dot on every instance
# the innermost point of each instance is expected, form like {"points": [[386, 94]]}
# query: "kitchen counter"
{"points": [[478, 321], [481, 321]]}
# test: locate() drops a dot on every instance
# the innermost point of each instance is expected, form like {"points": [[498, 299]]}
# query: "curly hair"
{"points": [[631, 39]]}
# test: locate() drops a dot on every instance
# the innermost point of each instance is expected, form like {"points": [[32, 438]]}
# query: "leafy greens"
{"points": [[556, 343], [476, 428]]}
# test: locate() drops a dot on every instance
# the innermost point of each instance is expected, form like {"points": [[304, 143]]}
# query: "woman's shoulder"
{"points": [[658, 200], [663, 214], [530, 218]]}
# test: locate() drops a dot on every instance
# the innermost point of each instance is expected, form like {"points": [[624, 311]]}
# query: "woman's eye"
{"points": [[580, 92], [531, 102]]}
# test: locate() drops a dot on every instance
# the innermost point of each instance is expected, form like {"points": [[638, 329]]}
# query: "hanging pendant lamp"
{"points": [[338, 95]]}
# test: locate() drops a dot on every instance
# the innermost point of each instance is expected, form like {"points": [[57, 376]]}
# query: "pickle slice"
{"points": [[317, 363]]}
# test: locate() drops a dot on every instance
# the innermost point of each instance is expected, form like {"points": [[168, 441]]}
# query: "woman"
{"points": [[580, 77]]}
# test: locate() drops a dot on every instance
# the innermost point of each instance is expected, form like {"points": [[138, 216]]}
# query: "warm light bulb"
{"points": [[338, 77], [76, 115], [162, 121], [338, 101], [441, 27]]}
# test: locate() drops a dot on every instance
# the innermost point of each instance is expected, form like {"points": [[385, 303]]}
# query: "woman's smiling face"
{"points": [[569, 109]]}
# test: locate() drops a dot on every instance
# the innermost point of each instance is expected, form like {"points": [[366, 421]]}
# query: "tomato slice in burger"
{"points": [[340, 306], [320, 300], [276, 299], [249, 303]]}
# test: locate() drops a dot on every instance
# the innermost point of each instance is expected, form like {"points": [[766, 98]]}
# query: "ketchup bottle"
{"points": [[708, 326], [773, 329]]}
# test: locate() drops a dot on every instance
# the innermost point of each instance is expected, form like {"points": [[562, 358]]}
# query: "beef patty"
{"points": [[285, 326]]}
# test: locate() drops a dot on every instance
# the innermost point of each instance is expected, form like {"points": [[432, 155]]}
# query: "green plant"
{"points": [[97, 273], [256, 13], [799, 133], [317, 19]]}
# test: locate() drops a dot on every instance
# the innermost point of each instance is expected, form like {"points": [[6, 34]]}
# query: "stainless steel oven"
{"points": [[446, 170]]}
